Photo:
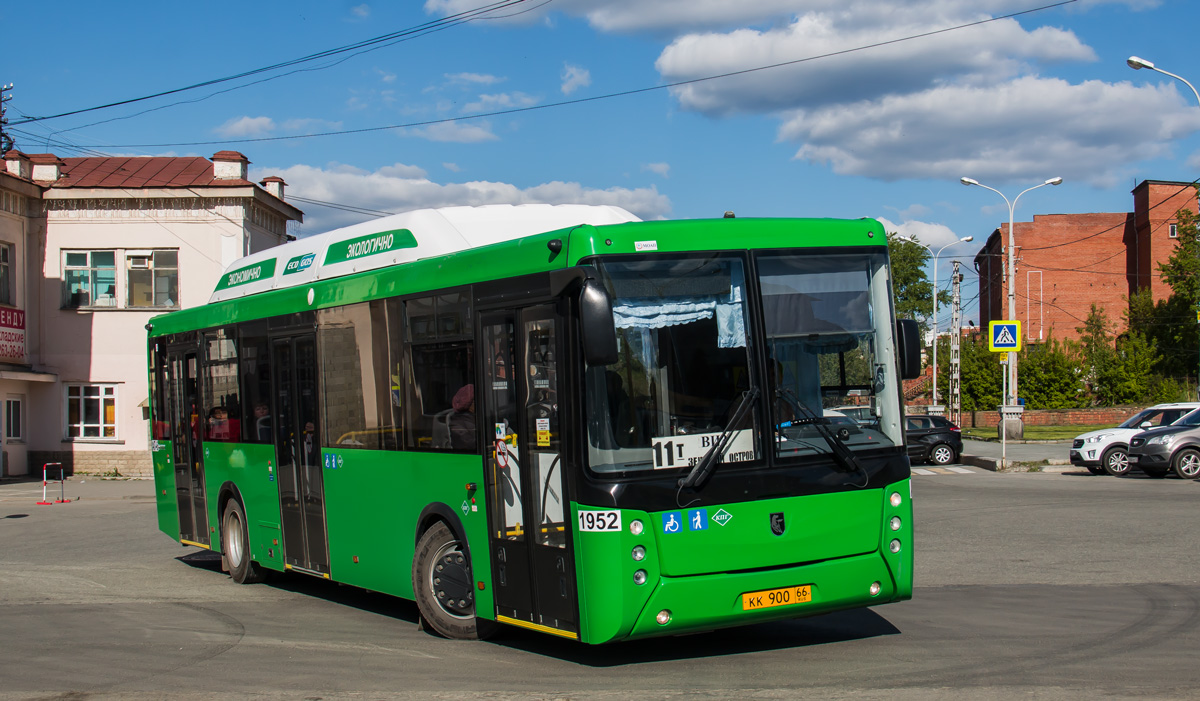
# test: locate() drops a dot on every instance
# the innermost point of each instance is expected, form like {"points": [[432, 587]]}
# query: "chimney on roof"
{"points": [[274, 185], [46, 167], [229, 165], [18, 164]]}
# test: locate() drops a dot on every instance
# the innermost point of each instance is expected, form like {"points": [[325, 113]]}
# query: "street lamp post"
{"points": [[1137, 64], [1011, 395], [913, 239]]}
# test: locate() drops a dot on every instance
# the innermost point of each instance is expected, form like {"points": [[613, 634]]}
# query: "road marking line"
{"points": [[922, 471], [961, 470]]}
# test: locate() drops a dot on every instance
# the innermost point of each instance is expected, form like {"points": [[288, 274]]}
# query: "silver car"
{"points": [[1175, 447]]}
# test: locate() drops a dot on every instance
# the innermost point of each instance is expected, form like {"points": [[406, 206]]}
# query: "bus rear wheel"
{"points": [[235, 545], [444, 588]]}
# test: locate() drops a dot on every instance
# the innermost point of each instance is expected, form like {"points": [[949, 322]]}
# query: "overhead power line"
{"points": [[426, 27], [607, 96]]}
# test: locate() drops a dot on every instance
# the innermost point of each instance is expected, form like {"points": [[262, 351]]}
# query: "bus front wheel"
{"points": [[235, 545], [444, 588]]}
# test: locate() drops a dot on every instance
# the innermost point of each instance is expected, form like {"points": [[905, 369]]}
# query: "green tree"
{"points": [[981, 380], [1050, 378], [910, 284], [1172, 323], [1128, 377], [1095, 347]]}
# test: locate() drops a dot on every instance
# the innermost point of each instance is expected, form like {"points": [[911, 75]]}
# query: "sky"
{"points": [[669, 108]]}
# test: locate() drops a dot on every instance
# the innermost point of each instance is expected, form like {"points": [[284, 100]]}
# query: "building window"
{"points": [[89, 279], [6, 260], [149, 279], [153, 278], [14, 419], [91, 411], [1174, 231]]}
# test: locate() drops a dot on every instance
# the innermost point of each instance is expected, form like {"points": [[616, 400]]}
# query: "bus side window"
{"points": [[357, 398], [222, 407], [439, 374]]}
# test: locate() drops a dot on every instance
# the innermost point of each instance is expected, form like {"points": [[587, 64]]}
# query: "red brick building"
{"points": [[1067, 262]]}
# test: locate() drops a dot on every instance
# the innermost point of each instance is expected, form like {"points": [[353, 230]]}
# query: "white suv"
{"points": [[1107, 450]]}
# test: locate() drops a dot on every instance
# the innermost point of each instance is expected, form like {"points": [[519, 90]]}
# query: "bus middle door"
{"points": [[298, 447], [531, 549]]}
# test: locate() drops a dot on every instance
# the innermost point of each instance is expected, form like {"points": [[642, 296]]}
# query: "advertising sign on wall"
{"points": [[12, 335]]}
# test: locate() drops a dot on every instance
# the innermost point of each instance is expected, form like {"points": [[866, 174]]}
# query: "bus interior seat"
{"points": [[441, 429]]}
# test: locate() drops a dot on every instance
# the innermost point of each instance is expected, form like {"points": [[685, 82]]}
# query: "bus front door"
{"points": [[298, 451], [531, 548], [186, 426]]}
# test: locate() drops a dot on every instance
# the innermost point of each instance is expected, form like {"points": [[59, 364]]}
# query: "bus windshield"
{"points": [[684, 363], [686, 358], [829, 340]]}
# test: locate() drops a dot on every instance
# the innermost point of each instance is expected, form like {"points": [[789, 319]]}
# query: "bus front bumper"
{"points": [[706, 602]]}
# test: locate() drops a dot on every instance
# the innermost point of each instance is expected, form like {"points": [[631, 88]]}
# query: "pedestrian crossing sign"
{"points": [[1004, 336]]}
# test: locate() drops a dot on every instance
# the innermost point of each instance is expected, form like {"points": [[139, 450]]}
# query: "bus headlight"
{"points": [[639, 577], [635, 527], [894, 546], [875, 588], [663, 617], [895, 523], [896, 498], [639, 553]]}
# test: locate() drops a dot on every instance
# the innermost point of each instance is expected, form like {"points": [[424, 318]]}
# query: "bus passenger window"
{"points": [[439, 374], [222, 395]]}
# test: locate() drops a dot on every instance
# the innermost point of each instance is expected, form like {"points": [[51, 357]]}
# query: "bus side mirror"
{"points": [[908, 342], [599, 334]]}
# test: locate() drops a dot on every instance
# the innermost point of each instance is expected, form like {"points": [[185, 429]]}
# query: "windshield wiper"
{"points": [[844, 456], [703, 469]]}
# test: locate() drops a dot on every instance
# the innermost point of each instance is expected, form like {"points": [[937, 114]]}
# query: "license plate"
{"points": [[783, 596], [1133, 458]]}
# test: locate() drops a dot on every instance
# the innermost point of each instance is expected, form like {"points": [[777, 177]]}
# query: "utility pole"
{"points": [[956, 346], [6, 141]]}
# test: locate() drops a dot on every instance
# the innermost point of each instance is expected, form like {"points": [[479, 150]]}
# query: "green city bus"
{"points": [[560, 418]]}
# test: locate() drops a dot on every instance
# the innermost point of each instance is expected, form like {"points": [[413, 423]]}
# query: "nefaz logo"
{"points": [[777, 523], [299, 263]]}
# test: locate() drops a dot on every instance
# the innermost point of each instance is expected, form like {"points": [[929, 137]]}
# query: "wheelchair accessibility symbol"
{"points": [[671, 522]]}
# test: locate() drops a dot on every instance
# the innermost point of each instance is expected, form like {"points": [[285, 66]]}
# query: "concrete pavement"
{"points": [[986, 454]]}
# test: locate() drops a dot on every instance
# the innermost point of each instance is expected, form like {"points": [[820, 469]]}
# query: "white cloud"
{"points": [[385, 76], [246, 126], [480, 78], [677, 16], [401, 187], [1030, 128], [662, 169], [500, 101], [454, 132], [978, 55], [574, 77], [911, 211], [973, 101], [361, 11], [933, 235]]}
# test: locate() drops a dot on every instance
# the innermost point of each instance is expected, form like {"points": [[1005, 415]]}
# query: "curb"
{"points": [[993, 464]]}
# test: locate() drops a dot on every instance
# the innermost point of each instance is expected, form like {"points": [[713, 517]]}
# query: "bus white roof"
{"points": [[401, 238]]}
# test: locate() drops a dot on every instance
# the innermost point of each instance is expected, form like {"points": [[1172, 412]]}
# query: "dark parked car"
{"points": [[932, 439]]}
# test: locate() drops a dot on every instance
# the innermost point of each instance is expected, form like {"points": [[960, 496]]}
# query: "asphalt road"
{"points": [[1043, 585]]}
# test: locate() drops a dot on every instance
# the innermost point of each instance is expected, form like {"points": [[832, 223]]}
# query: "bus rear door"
{"points": [[531, 548], [186, 428]]}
